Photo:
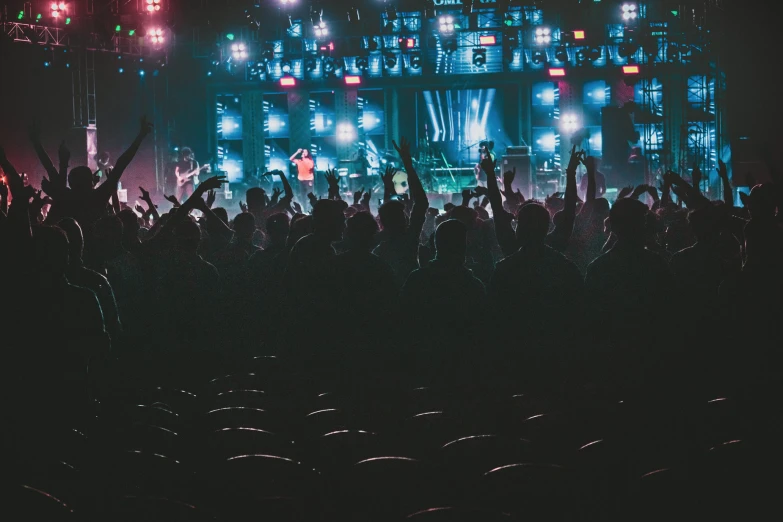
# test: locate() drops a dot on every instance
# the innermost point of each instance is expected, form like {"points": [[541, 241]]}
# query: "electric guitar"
{"points": [[183, 178]]}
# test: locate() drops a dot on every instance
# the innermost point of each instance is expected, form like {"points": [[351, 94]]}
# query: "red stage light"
{"points": [[407, 43], [353, 80], [557, 72], [630, 69], [287, 81], [579, 35], [487, 40]]}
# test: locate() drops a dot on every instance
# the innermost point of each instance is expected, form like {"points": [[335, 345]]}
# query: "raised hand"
{"points": [[403, 149], [638, 191], [357, 196], [576, 158], [63, 152], [488, 165], [275, 196], [625, 192], [146, 126], [331, 178], [696, 176], [243, 206], [145, 196], [173, 200], [387, 176], [211, 195], [140, 209], [366, 198], [722, 171], [481, 191], [297, 207], [509, 175], [312, 199], [213, 183]]}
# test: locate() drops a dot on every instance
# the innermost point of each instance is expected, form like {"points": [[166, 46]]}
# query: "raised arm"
{"points": [[43, 157], [502, 219], [728, 194], [418, 194], [295, 154], [590, 195], [113, 177]]}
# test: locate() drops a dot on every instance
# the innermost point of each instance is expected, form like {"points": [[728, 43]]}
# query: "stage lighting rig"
{"points": [[156, 35], [328, 65], [446, 24], [479, 57], [238, 51], [153, 6], [561, 53], [630, 12], [58, 9], [320, 29], [362, 63], [627, 49], [543, 35], [415, 60], [538, 57], [389, 60], [450, 45], [569, 123], [286, 67]]}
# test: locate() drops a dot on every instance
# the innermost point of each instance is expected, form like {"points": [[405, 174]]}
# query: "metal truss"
{"points": [[60, 37]]}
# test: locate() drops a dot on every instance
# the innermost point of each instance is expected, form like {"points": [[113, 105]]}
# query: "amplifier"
{"points": [[522, 150]]}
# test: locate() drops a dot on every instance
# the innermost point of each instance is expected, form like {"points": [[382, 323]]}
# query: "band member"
{"points": [[186, 169], [362, 162], [485, 149], [305, 172]]}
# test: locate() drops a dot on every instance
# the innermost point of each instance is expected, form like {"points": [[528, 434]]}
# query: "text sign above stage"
{"points": [[440, 3]]}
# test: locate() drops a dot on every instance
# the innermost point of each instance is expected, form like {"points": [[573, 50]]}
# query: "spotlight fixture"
{"points": [[556, 72], [58, 9], [286, 67], [406, 43], [538, 57], [629, 12], [543, 35], [561, 53], [593, 54], [320, 29], [353, 80], [362, 63], [630, 69], [238, 51], [479, 57], [287, 81], [153, 6], [415, 60], [569, 123], [446, 24], [389, 60], [287, 2], [328, 65], [156, 35]]}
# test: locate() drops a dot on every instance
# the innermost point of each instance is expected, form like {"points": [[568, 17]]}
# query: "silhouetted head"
{"points": [[130, 223], [704, 222], [75, 238], [187, 237], [761, 202], [222, 213], [361, 229], [328, 219], [80, 178], [51, 251], [277, 228], [245, 225], [451, 242], [628, 220], [301, 225], [256, 198], [350, 211], [186, 153], [107, 232], [306, 153], [532, 224], [466, 215], [393, 218]]}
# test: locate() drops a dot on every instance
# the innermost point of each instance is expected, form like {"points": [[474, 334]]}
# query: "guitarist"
{"points": [[187, 166]]}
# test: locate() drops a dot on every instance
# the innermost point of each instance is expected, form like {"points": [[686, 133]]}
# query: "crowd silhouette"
{"points": [[566, 359]]}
